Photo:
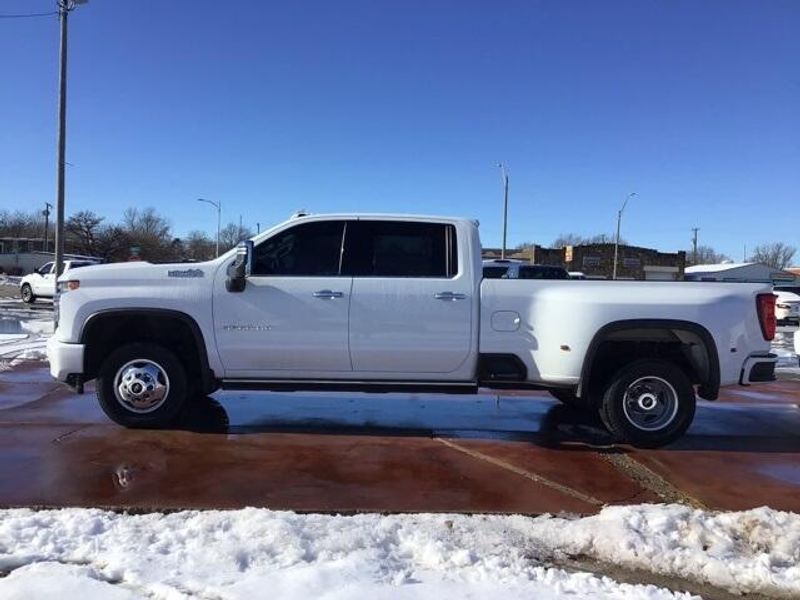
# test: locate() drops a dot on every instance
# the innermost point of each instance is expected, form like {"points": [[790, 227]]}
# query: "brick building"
{"points": [[596, 261]]}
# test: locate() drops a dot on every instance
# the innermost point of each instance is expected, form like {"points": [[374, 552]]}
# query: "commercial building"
{"points": [[596, 261], [743, 272]]}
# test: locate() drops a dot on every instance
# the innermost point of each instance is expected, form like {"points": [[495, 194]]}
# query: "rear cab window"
{"points": [[400, 249]]}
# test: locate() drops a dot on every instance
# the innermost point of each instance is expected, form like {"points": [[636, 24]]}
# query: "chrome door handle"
{"points": [[328, 294], [449, 296]]}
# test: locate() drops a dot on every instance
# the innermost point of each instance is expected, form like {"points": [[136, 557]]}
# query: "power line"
{"points": [[29, 15]]}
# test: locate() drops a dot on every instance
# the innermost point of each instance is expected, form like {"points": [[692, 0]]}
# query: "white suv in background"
{"points": [[42, 282]]}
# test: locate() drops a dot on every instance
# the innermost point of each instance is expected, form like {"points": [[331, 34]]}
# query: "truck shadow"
{"points": [[536, 420]]}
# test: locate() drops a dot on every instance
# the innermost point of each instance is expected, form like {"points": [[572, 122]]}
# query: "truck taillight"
{"points": [[765, 305]]}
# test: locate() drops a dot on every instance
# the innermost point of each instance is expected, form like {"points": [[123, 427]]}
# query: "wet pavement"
{"points": [[344, 452]]}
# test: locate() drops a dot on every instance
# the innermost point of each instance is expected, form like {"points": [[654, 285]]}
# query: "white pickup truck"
{"points": [[379, 303]]}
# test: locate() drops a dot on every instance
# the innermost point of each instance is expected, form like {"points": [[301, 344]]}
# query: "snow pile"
{"points": [[247, 553], [752, 551], [787, 346], [42, 327], [28, 345]]}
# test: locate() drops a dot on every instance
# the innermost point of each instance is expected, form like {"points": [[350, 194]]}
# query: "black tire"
{"points": [[26, 293], [135, 357], [568, 397], [631, 403]]}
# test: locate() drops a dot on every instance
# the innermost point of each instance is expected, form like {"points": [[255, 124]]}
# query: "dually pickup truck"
{"points": [[388, 303]]}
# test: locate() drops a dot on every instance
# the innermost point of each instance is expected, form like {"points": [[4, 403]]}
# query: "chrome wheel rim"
{"points": [[26, 293], [141, 386], [650, 403]]}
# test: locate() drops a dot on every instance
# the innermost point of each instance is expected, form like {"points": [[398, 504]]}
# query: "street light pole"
{"points": [[218, 206], [616, 241], [505, 208]]}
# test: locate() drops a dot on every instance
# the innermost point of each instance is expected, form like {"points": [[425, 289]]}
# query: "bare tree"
{"points": [[572, 239], [232, 234], [150, 232], [20, 224], [83, 229], [777, 255], [706, 255], [198, 246]]}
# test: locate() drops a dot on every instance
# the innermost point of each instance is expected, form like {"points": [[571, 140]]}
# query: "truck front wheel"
{"points": [[142, 385], [648, 403]]}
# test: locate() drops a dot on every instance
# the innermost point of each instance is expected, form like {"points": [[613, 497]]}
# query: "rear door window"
{"points": [[400, 249]]}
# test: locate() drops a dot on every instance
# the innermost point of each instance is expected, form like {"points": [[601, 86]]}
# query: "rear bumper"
{"points": [[65, 359], [758, 368]]}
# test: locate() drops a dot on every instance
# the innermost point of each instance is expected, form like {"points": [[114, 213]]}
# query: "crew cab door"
{"points": [[411, 309], [291, 318]]}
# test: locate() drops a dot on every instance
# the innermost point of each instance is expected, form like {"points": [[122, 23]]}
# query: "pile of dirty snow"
{"points": [[249, 553], [23, 340], [787, 346]]}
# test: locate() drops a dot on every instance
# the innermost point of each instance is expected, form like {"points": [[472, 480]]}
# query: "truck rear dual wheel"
{"points": [[648, 403], [142, 385]]}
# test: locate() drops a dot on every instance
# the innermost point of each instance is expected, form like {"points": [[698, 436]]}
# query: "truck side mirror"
{"points": [[239, 269]]}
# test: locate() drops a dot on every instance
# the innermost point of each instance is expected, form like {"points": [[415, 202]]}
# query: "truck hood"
{"points": [[144, 272]]}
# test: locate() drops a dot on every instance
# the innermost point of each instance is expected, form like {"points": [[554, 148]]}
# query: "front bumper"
{"points": [[65, 359], [758, 368]]}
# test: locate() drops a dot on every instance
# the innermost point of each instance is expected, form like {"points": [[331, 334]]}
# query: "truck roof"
{"points": [[385, 216]]}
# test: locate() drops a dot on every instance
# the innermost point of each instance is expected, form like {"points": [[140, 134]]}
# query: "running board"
{"points": [[340, 385]]}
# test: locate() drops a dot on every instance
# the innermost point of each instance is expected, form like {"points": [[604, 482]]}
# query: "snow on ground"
{"points": [[787, 346], [89, 553], [23, 334]]}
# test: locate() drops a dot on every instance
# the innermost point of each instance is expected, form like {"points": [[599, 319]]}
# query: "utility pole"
{"points": [[46, 213], [694, 244], [218, 206], [505, 208], [64, 8], [616, 241]]}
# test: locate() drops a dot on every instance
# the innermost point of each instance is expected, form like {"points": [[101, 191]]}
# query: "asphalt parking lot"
{"points": [[522, 453]]}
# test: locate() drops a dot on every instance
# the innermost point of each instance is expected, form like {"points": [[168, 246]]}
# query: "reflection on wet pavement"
{"points": [[520, 452]]}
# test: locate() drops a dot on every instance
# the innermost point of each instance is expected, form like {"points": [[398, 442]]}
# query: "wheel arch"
{"points": [[111, 327], [706, 364]]}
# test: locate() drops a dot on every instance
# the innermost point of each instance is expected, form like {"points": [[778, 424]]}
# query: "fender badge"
{"points": [[186, 273], [246, 327]]}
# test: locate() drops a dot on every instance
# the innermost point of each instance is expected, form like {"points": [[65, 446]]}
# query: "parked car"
{"points": [[379, 303], [42, 282], [500, 268], [787, 308]]}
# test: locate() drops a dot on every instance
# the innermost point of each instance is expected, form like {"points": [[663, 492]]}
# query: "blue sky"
{"points": [[408, 106]]}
